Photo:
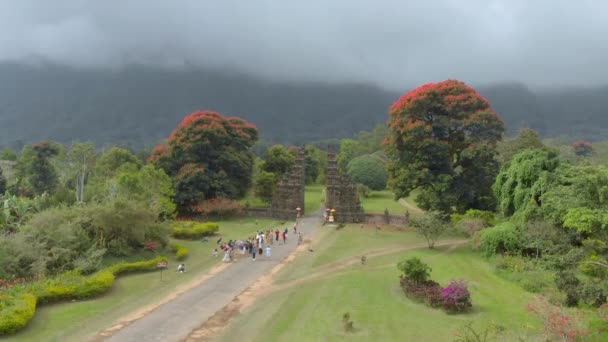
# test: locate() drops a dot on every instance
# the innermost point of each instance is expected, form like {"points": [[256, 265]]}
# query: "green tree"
{"points": [[8, 154], [520, 186], [431, 226], [348, 151], [208, 156], [76, 166], [112, 159], [278, 160], [264, 185], [526, 139], [440, 134], [42, 176], [148, 185], [369, 171]]}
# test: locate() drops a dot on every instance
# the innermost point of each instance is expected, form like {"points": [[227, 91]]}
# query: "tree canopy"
{"points": [[368, 170], [208, 155], [442, 140]]}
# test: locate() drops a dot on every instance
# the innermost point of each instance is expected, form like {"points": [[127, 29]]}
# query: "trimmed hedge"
{"points": [[16, 312], [181, 251], [18, 307], [193, 230]]}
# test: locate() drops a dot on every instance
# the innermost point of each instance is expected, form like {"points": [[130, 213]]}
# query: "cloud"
{"points": [[391, 43]]}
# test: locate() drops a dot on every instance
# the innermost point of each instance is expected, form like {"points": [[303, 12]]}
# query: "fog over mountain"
{"points": [[127, 72]]}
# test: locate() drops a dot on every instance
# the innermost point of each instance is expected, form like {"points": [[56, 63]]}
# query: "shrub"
{"points": [[414, 270], [567, 282], [218, 207], [504, 238], [456, 297], [428, 291], [194, 230], [487, 218], [16, 311], [181, 251], [593, 293]]}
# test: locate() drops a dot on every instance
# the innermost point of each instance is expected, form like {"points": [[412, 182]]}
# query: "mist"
{"points": [[390, 43]]}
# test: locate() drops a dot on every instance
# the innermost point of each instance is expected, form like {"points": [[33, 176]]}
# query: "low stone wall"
{"points": [[384, 219]]}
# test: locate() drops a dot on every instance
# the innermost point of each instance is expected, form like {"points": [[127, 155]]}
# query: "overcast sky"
{"points": [[392, 43]]}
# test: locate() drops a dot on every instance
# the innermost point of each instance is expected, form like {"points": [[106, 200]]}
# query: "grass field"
{"points": [[377, 201], [311, 310], [73, 321]]}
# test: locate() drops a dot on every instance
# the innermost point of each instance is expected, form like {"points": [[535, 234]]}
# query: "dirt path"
{"points": [[264, 286], [178, 315]]}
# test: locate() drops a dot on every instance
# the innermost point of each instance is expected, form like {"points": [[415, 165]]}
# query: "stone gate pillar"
{"points": [[289, 192]]}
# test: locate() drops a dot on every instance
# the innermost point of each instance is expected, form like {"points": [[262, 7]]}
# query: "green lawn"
{"points": [[313, 197], [312, 310], [377, 201], [73, 321]]}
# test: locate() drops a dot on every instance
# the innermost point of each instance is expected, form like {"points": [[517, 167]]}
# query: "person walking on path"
{"points": [[276, 233], [268, 251], [285, 236], [295, 228]]}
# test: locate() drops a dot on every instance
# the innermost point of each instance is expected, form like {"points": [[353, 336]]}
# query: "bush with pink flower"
{"points": [[456, 297]]}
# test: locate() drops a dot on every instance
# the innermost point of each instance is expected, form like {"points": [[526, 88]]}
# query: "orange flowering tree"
{"points": [[442, 141], [582, 148], [208, 156]]}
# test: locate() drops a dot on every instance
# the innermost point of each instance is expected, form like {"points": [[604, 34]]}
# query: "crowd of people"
{"points": [[256, 246]]}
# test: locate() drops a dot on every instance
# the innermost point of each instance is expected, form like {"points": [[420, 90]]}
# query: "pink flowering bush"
{"points": [[456, 297]]}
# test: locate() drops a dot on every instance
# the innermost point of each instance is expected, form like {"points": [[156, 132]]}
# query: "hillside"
{"points": [[139, 106]]}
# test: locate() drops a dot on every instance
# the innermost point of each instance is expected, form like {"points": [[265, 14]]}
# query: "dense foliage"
{"points": [[368, 170], [208, 155], [442, 141], [62, 239]]}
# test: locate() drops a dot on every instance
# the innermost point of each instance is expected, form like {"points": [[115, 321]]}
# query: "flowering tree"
{"points": [[442, 140], [582, 148], [208, 155]]}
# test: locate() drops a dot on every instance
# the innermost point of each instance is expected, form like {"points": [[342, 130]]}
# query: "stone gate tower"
{"points": [[341, 193], [289, 193]]}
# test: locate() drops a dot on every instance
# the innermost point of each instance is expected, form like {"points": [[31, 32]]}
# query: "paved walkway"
{"points": [[174, 320]]}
